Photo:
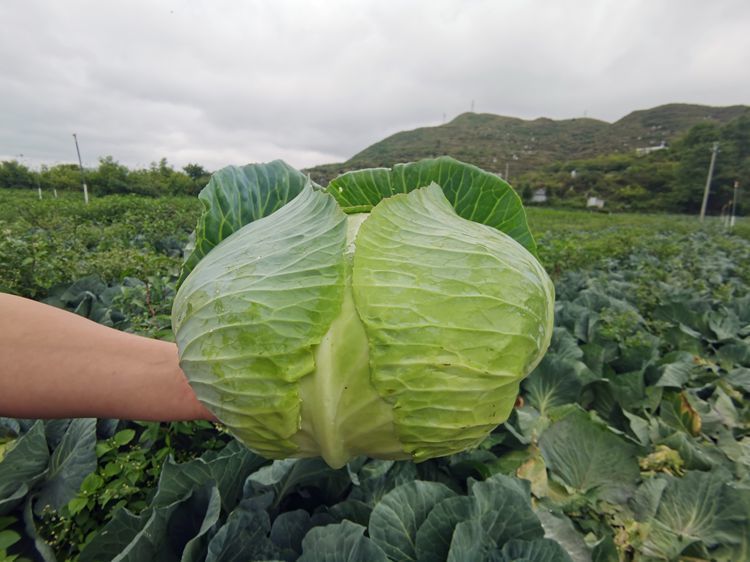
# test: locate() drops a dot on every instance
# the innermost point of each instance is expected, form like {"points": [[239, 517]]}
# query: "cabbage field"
{"points": [[630, 440]]}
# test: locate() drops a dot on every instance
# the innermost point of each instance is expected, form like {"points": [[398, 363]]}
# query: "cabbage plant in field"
{"points": [[392, 314]]}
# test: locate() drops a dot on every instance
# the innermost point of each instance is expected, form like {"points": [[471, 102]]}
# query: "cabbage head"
{"points": [[392, 314]]}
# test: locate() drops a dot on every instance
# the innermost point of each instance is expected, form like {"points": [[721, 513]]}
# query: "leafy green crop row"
{"points": [[57, 241], [631, 442]]}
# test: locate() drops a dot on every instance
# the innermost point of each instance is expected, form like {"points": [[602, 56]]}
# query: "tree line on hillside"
{"points": [[669, 179], [109, 177]]}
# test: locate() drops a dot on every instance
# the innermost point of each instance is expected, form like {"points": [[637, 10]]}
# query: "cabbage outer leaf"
{"points": [[475, 194], [238, 195]]}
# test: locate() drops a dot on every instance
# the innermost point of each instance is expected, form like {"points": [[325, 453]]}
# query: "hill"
{"points": [[492, 141]]}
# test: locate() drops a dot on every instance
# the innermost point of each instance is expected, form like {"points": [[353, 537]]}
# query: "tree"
{"points": [[196, 171], [110, 177], [732, 163], [61, 177], [13, 174]]}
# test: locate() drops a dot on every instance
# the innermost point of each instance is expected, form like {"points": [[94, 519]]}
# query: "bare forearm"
{"points": [[54, 364]]}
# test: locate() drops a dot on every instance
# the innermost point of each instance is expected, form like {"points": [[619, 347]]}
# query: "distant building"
{"points": [[539, 196], [595, 202], [650, 149], [573, 174]]}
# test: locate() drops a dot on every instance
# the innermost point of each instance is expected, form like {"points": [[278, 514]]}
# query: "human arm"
{"points": [[55, 364]]}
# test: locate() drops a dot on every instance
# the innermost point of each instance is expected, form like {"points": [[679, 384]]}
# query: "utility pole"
{"points": [[507, 166], [734, 203], [83, 178], [714, 150]]}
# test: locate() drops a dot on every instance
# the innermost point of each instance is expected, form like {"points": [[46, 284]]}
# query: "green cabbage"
{"points": [[392, 315]]}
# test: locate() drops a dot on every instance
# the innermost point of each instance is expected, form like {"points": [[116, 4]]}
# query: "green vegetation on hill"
{"points": [[665, 122], [671, 179], [578, 158], [492, 141], [488, 141]]}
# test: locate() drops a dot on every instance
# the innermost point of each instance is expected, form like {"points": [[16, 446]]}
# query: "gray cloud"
{"points": [[222, 82]]}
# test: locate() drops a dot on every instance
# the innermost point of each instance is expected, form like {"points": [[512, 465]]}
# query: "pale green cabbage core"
{"points": [[399, 334], [343, 416]]}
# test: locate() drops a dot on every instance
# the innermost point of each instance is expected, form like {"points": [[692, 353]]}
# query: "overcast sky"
{"points": [[230, 81]]}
